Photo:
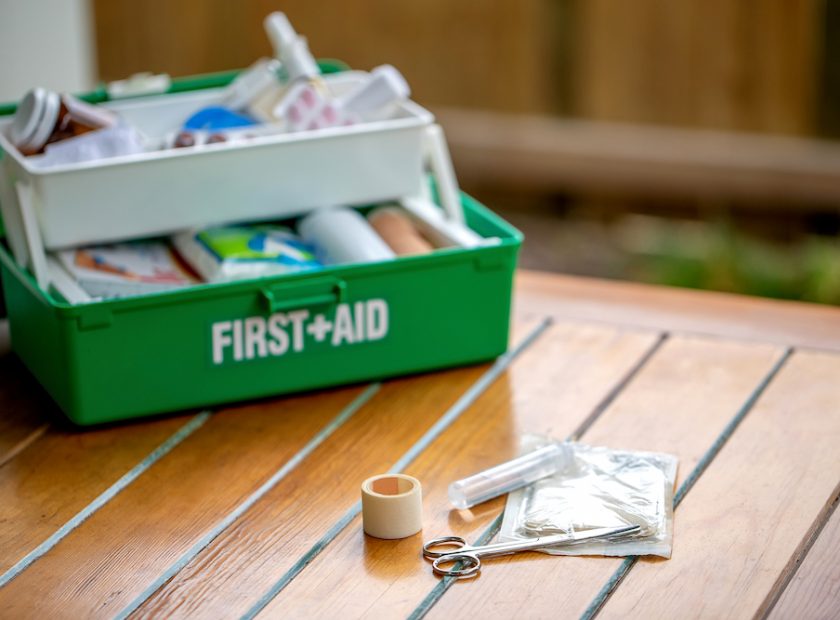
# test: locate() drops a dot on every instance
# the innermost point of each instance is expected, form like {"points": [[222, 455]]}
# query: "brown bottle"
{"points": [[44, 117]]}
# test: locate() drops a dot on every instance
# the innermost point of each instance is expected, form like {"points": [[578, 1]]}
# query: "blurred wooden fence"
{"points": [[745, 65]]}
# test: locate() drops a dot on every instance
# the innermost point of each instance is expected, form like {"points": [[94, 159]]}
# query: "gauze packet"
{"points": [[599, 488]]}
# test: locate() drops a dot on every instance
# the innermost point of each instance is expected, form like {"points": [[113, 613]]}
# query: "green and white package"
{"points": [[235, 252]]}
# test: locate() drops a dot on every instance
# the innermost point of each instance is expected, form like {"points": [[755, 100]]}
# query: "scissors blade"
{"points": [[600, 532]]}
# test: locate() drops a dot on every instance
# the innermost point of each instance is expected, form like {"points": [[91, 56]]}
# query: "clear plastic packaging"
{"points": [[509, 476], [599, 488]]}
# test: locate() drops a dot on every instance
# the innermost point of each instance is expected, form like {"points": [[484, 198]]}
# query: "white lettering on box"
{"points": [[343, 331], [377, 319], [221, 339], [255, 344], [285, 333], [279, 342]]}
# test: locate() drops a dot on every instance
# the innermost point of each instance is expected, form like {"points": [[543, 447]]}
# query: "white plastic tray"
{"points": [[164, 191]]}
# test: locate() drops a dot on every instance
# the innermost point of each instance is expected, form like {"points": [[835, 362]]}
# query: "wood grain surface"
{"points": [[814, 591], [755, 535], [110, 557], [552, 389], [229, 576], [61, 473], [679, 403], [788, 323], [742, 528]]}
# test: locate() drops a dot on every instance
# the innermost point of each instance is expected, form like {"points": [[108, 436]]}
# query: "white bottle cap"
{"points": [[280, 32], [385, 85], [35, 120]]}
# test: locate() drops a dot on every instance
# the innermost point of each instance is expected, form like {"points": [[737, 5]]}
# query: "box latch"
{"points": [[312, 292]]}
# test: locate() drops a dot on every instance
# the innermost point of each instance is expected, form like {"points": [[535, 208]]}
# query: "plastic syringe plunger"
{"points": [[509, 476]]}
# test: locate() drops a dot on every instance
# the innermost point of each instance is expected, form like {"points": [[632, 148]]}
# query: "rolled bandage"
{"points": [[398, 231], [392, 506], [341, 235]]}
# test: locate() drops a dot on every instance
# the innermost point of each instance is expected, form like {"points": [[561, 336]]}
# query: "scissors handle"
{"points": [[465, 565], [447, 545]]}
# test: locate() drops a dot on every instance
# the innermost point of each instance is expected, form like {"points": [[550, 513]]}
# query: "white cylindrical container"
{"points": [[508, 476], [392, 506], [341, 235]]}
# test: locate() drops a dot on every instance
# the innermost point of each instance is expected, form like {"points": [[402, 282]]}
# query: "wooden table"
{"points": [[253, 510]]}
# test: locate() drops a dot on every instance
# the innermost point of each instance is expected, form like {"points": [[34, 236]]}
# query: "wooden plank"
{"points": [[672, 309], [814, 591], [543, 153], [552, 388], [746, 523], [110, 557], [678, 404], [61, 472]]}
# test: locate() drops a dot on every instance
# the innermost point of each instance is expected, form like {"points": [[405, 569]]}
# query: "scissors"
{"points": [[467, 559]]}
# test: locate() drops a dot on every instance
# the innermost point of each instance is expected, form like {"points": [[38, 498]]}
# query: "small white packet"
{"points": [[92, 146], [600, 488]]}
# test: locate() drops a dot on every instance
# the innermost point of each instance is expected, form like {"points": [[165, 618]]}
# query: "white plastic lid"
{"points": [[280, 32], [385, 85], [35, 120]]}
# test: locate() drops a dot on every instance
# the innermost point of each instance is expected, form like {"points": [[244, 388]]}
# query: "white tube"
{"points": [[341, 235], [508, 476]]}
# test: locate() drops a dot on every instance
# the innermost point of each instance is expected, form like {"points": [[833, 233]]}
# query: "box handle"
{"points": [[316, 292]]}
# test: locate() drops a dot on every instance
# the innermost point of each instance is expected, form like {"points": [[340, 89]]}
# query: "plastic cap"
{"points": [[35, 120], [280, 32], [385, 85]]}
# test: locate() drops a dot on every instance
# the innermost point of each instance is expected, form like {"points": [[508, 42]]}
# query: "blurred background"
{"points": [[682, 143]]}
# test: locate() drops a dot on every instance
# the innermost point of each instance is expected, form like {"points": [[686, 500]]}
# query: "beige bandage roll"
{"points": [[399, 232], [392, 506]]}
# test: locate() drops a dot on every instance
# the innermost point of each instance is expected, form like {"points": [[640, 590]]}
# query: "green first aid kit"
{"points": [[208, 344]]}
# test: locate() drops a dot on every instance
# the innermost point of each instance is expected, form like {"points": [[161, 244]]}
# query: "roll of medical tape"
{"points": [[392, 506], [398, 231]]}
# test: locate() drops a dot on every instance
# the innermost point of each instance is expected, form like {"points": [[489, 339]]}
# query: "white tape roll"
{"points": [[392, 506]]}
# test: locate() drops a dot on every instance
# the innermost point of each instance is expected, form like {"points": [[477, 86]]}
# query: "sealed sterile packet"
{"points": [[599, 488]]}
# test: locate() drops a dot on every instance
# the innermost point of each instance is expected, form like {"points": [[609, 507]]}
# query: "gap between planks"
{"points": [[158, 453], [812, 589]]}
